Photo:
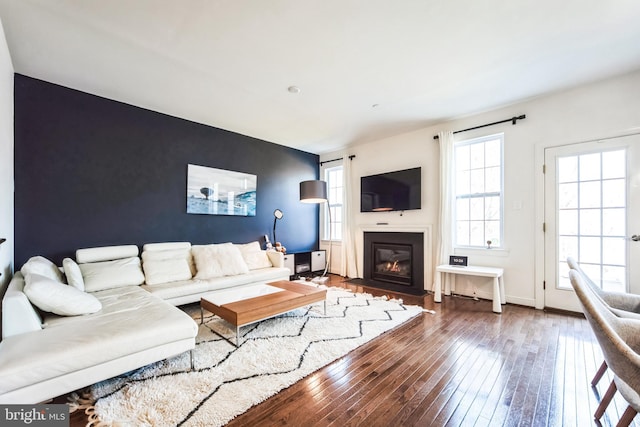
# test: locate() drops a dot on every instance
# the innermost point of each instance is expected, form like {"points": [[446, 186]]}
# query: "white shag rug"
{"points": [[227, 381]]}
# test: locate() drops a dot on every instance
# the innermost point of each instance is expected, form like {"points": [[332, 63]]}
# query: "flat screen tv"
{"points": [[391, 191]]}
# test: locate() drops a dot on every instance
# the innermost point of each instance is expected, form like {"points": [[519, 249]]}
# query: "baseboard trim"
{"points": [[526, 302]]}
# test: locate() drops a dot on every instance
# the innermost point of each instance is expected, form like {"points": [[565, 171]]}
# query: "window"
{"points": [[592, 211], [478, 192], [333, 176]]}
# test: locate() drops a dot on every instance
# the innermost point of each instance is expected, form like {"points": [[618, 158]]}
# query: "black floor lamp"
{"points": [[315, 191], [277, 214]]}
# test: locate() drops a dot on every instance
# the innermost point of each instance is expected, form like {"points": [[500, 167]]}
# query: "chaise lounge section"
{"points": [[131, 319]]}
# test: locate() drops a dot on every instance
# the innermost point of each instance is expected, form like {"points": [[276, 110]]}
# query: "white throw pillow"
{"points": [[73, 273], [254, 256], [43, 267], [58, 298], [165, 271], [218, 260], [112, 274], [207, 265]]}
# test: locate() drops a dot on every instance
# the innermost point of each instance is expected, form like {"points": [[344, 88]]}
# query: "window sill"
{"points": [[498, 252]]}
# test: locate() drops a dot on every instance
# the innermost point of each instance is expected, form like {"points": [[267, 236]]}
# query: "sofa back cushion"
{"points": [[165, 246], [112, 274], [167, 262], [168, 250], [106, 253], [217, 260], [254, 256], [169, 270], [109, 267]]}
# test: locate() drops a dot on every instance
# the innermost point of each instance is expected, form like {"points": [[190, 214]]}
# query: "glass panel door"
{"points": [[587, 202]]}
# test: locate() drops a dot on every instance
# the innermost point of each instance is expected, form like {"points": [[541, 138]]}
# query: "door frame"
{"points": [[539, 262]]}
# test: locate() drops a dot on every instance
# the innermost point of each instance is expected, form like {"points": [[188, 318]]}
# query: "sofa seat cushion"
{"points": [[266, 274], [167, 291], [131, 322], [171, 290], [115, 302]]}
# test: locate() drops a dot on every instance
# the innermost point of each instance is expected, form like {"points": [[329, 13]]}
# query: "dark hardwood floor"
{"points": [[462, 366]]}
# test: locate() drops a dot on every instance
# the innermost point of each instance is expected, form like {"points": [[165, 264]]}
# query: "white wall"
{"points": [[607, 108], [6, 160]]}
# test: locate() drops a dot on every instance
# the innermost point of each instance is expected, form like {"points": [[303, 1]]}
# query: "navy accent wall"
{"points": [[91, 172]]}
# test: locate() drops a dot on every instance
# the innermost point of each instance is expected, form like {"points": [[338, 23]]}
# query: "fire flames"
{"points": [[394, 268]]}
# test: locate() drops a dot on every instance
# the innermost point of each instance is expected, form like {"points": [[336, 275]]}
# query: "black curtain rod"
{"points": [[513, 121], [351, 157]]}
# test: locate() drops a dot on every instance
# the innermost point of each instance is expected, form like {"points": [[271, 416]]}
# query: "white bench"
{"points": [[449, 272]]}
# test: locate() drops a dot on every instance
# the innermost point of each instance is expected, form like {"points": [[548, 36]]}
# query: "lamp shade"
{"points": [[314, 191]]}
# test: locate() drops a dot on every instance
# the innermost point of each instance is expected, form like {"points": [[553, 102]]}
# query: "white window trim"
{"points": [[325, 227]]}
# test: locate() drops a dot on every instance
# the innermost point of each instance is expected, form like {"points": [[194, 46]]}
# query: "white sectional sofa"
{"points": [[112, 311], [259, 267]]}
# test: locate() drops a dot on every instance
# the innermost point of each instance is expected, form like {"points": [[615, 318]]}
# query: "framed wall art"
{"points": [[213, 191]]}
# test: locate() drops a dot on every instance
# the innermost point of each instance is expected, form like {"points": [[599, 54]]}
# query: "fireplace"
{"points": [[394, 261]]}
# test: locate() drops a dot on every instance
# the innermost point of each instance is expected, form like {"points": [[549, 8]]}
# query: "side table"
{"points": [[449, 272]]}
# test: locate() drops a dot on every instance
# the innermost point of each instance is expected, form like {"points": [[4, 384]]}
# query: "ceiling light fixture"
{"points": [[293, 89]]}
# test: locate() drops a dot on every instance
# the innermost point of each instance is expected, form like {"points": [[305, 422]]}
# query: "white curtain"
{"points": [[445, 233], [348, 266]]}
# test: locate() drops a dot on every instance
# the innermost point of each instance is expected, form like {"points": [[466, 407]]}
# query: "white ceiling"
{"points": [[228, 63]]}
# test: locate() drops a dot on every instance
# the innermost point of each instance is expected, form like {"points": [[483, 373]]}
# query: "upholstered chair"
{"points": [[621, 304], [619, 339]]}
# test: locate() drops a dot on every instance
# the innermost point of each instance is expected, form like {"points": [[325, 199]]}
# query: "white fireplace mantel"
{"points": [[395, 228]]}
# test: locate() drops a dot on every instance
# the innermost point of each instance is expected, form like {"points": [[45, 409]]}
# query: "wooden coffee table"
{"points": [[250, 304]]}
